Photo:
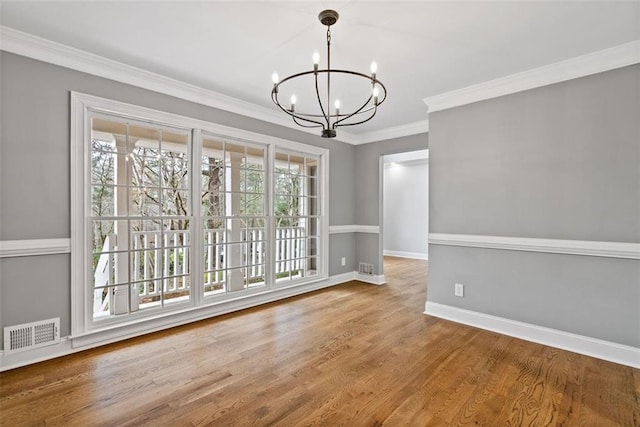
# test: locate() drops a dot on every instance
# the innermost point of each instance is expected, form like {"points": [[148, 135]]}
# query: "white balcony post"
{"points": [[123, 169], [234, 226]]}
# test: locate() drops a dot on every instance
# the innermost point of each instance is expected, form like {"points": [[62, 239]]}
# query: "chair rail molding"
{"points": [[33, 247], [553, 246], [339, 229]]}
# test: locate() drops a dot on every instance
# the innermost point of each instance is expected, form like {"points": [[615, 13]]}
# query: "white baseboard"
{"points": [[402, 254], [606, 350], [373, 279]]}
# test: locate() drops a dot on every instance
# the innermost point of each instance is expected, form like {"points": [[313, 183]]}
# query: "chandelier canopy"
{"points": [[323, 117]]}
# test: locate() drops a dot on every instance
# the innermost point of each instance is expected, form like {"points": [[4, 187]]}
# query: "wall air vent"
{"points": [[31, 335], [365, 268]]}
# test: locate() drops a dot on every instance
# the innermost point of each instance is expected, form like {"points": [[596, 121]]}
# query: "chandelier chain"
{"points": [[328, 115]]}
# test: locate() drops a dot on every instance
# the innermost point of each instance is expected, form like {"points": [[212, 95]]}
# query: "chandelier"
{"points": [[323, 117]]}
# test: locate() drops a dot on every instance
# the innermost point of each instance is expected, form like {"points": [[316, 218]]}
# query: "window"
{"points": [[171, 215], [140, 216], [296, 216], [233, 214]]}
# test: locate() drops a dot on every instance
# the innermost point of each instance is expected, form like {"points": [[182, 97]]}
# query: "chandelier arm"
{"points": [[362, 109], [316, 72], [375, 110], [317, 125], [274, 98], [324, 116], [358, 111]]}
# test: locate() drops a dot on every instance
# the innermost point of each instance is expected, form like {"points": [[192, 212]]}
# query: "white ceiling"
{"points": [[422, 48]]}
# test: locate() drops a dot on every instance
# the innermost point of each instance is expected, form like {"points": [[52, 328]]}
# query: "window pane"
{"points": [[145, 201], [234, 154], [175, 202], [212, 146], [102, 166], [102, 200], [252, 180], [254, 158], [139, 170], [174, 170], [146, 171], [236, 279], [295, 202], [251, 204], [233, 202], [146, 150], [256, 276], [212, 197]]}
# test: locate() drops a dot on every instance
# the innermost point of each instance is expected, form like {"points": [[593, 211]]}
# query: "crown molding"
{"points": [[28, 45], [573, 68], [421, 126], [34, 47]]}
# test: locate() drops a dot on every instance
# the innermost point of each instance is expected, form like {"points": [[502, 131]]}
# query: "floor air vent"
{"points": [[31, 335]]}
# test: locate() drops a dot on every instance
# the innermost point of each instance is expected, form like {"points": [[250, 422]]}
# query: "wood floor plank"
{"points": [[354, 354]]}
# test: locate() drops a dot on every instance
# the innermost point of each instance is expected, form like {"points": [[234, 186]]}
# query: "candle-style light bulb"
{"points": [[374, 69], [337, 105], [275, 78], [376, 92], [316, 57], [293, 102]]}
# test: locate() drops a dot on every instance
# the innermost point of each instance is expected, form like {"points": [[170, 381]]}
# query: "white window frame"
{"points": [[83, 329]]}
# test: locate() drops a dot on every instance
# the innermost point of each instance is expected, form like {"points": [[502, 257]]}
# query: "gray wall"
{"points": [[557, 162], [35, 177], [368, 188], [406, 207]]}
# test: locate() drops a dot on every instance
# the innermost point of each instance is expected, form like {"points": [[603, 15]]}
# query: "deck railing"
{"points": [[161, 271]]}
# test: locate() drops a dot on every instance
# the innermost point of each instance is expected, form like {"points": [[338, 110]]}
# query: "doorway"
{"points": [[405, 205]]}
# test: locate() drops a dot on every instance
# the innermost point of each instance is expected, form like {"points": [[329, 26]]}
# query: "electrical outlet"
{"points": [[343, 261], [459, 290]]}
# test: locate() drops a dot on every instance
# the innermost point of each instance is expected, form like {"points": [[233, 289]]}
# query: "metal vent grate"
{"points": [[365, 268], [32, 335]]}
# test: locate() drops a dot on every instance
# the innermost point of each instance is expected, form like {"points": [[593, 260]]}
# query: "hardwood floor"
{"points": [[355, 354]]}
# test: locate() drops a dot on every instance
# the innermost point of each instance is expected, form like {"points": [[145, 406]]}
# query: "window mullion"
{"points": [[269, 190]]}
